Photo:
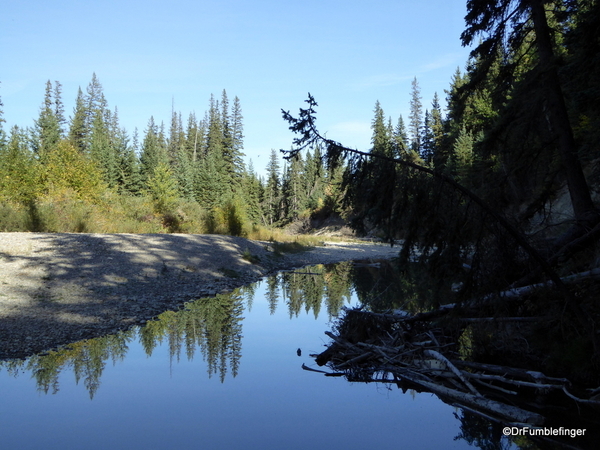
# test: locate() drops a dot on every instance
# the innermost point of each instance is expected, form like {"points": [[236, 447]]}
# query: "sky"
{"points": [[151, 56]]}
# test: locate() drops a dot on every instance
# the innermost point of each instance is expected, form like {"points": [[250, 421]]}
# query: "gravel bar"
{"points": [[57, 288]]}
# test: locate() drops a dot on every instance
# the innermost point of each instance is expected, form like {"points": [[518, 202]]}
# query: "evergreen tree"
{"points": [[162, 187], [381, 140], [176, 138], [184, 173], [59, 109], [237, 140], [293, 188], [129, 170], [18, 169], [209, 189], [400, 142], [77, 126], [214, 133], [314, 185], [504, 28], [153, 151], [195, 139], [47, 131], [437, 127], [253, 192], [462, 157], [102, 151], [427, 140], [272, 201], [416, 117], [94, 102]]}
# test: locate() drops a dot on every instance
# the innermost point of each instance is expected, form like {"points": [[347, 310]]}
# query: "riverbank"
{"points": [[57, 288]]}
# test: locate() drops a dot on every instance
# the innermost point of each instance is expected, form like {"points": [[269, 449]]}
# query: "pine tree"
{"points": [[129, 170], [400, 139], [416, 117], [253, 192], [437, 127], [153, 151], [47, 131], [502, 40], [427, 140], [272, 202], [78, 126], [101, 149], [293, 188], [176, 137], [237, 138], [59, 109], [184, 173], [18, 169], [162, 187], [381, 139], [314, 185], [462, 157], [94, 101]]}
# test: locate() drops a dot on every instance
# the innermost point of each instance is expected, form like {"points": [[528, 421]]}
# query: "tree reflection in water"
{"points": [[212, 325]]}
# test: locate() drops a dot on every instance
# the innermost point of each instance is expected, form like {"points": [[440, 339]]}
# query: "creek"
{"points": [[225, 373]]}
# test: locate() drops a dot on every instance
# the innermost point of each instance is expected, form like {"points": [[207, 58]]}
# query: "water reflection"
{"points": [[212, 326], [213, 329]]}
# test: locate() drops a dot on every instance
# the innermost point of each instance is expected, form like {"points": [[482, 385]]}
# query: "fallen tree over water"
{"points": [[415, 353]]}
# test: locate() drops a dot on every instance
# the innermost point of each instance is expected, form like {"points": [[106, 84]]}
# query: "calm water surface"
{"points": [[172, 385]]}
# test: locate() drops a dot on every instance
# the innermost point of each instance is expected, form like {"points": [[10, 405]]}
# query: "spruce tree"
{"points": [[437, 127], [101, 148], [153, 151], [416, 117], [400, 142], [427, 140], [381, 139], [237, 138], [59, 109], [253, 191], [18, 169], [272, 201], [78, 126], [47, 131]]}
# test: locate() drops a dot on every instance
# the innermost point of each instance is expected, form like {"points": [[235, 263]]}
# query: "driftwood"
{"points": [[401, 349]]}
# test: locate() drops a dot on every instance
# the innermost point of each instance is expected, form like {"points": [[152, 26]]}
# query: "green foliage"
{"points": [[229, 218], [66, 168], [19, 179], [162, 188]]}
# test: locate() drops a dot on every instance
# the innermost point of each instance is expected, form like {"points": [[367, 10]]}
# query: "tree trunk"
{"points": [[556, 110]]}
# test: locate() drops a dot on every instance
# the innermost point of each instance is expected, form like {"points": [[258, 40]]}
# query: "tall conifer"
{"points": [[416, 117]]}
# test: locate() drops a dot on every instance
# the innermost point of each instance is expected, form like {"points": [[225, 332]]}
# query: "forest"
{"points": [[88, 174]]}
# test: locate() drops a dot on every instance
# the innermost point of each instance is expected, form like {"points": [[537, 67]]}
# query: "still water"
{"points": [[222, 374]]}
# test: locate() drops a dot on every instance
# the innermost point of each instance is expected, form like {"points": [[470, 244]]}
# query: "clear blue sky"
{"points": [[270, 54]]}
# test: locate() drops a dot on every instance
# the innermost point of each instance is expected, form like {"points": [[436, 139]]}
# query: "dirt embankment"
{"points": [[60, 288]]}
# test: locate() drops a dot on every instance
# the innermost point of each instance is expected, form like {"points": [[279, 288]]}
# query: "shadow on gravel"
{"points": [[96, 284]]}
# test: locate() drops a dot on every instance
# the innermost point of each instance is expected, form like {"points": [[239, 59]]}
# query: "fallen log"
{"points": [[507, 412]]}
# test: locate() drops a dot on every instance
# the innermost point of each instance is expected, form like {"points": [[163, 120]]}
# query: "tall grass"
{"points": [[65, 212]]}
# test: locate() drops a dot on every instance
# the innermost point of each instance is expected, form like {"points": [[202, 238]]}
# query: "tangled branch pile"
{"points": [[410, 352]]}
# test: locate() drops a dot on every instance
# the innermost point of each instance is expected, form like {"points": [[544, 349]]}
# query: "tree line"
{"points": [[189, 176]]}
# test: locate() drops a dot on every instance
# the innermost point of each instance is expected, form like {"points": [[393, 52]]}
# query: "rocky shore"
{"points": [[57, 288]]}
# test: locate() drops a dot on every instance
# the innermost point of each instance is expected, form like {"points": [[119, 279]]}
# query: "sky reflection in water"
{"points": [[159, 402]]}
